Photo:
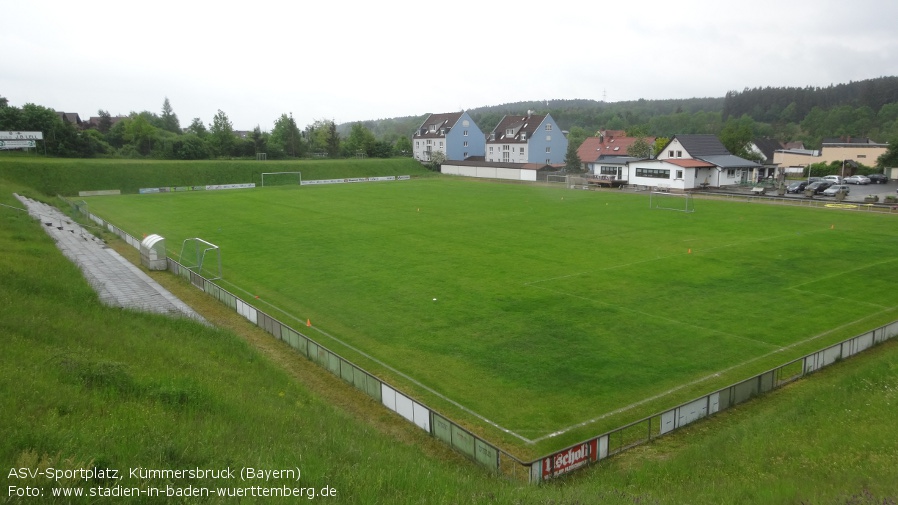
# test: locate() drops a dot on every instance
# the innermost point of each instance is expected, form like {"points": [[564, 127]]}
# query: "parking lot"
{"points": [[856, 194]]}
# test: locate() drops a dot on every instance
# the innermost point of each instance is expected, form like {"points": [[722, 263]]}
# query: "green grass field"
{"points": [[87, 384], [553, 307]]}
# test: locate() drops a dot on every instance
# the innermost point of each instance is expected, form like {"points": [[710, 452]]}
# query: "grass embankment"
{"points": [[85, 385], [61, 176]]}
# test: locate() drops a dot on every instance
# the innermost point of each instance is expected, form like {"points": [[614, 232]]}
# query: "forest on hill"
{"points": [[867, 108]]}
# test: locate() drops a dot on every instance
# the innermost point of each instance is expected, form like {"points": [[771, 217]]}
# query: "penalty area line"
{"points": [[392, 369]]}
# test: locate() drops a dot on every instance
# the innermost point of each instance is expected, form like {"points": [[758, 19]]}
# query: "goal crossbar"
{"points": [[666, 200]]}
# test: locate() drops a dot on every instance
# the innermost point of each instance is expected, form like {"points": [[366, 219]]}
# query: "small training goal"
{"points": [[281, 178], [201, 257], [665, 200]]}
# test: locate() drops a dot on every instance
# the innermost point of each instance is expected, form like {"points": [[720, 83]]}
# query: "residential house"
{"points": [[765, 148], [454, 134], [70, 117], [534, 138], [606, 156], [689, 162]]}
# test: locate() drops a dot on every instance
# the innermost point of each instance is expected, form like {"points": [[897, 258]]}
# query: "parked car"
{"points": [[814, 179], [878, 178], [835, 179], [796, 187], [857, 179], [818, 187], [835, 188]]}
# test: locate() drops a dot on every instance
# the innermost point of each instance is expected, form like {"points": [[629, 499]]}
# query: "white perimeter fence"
{"points": [[489, 455]]}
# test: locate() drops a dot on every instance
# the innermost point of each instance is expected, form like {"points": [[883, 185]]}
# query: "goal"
{"points": [[201, 257], [281, 178], [671, 201]]}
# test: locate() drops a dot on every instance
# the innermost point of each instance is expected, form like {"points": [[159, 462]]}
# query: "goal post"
{"points": [[281, 178], [665, 200]]}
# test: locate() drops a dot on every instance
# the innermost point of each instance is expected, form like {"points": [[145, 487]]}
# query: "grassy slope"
{"points": [[97, 384], [364, 262]]}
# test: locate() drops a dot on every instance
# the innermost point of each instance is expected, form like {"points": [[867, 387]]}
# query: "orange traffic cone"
{"points": [[309, 323], [689, 251]]}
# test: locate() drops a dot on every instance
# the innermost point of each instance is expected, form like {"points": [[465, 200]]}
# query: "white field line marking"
{"points": [[649, 260], [656, 316], [388, 367], [702, 379], [843, 272]]}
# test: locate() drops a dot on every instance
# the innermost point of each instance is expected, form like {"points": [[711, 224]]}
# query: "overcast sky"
{"points": [[353, 60]]}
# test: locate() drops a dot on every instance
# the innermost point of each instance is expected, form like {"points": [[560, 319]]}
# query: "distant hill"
{"points": [[693, 115]]}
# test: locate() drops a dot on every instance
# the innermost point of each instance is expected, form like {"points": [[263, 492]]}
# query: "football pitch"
{"points": [[538, 316]]}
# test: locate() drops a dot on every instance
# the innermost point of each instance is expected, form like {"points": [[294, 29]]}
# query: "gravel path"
{"points": [[115, 279]]}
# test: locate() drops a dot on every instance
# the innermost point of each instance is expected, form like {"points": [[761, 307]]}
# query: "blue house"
{"points": [[533, 138], [454, 134]]}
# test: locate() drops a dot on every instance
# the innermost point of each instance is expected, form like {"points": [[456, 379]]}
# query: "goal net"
{"points": [[201, 257], [557, 179], [671, 201], [281, 178]]}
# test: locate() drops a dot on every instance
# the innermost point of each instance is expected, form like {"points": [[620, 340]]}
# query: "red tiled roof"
{"points": [[593, 147]]}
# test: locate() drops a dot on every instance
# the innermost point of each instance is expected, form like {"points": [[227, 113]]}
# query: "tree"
{"points": [[286, 137], [889, 159], [198, 128], [403, 146], [333, 141], [640, 148], [737, 134], [169, 119], [437, 158], [660, 143], [572, 163], [221, 135], [359, 141], [105, 122], [139, 133]]}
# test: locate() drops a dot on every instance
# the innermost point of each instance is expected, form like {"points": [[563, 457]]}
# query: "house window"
{"points": [[608, 170], [465, 144], [679, 154], [505, 147], [465, 155], [679, 174], [548, 149], [441, 144], [861, 155], [417, 143], [670, 154], [433, 128], [428, 142], [466, 124], [654, 173], [548, 161], [731, 173], [509, 131], [548, 138], [491, 149], [522, 150], [505, 157], [549, 127], [466, 133]]}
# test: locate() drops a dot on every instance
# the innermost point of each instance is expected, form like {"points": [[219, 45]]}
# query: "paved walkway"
{"points": [[115, 279]]}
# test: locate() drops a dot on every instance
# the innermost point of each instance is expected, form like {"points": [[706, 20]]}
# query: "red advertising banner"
{"points": [[570, 459]]}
